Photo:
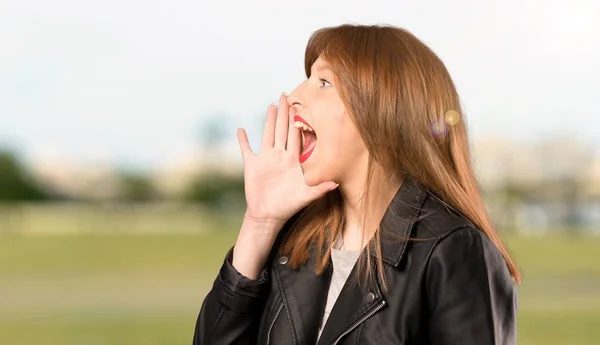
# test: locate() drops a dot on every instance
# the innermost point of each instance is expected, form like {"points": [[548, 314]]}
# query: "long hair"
{"points": [[404, 103]]}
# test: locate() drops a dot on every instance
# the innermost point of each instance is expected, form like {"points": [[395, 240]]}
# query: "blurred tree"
{"points": [[15, 185], [135, 187], [215, 189], [571, 196]]}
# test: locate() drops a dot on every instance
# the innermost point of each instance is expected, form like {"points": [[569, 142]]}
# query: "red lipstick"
{"points": [[309, 140], [298, 118], [304, 156]]}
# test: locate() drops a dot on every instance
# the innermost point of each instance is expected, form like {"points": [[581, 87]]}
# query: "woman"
{"points": [[364, 223]]}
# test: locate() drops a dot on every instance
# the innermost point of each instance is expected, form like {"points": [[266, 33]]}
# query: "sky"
{"points": [[135, 82]]}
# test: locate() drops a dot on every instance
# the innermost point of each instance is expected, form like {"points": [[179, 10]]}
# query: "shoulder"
{"points": [[457, 245], [464, 244], [466, 262], [438, 220], [467, 265], [467, 284]]}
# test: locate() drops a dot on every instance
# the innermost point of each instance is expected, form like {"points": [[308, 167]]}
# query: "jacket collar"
{"points": [[302, 290], [399, 218]]}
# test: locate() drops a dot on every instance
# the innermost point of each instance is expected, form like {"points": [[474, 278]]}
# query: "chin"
{"points": [[313, 177], [309, 178]]}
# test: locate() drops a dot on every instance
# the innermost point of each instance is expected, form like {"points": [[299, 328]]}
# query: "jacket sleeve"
{"points": [[232, 308], [471, 295]]}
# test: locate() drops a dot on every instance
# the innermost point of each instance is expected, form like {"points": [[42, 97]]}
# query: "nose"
{"points": [[294, 99]]}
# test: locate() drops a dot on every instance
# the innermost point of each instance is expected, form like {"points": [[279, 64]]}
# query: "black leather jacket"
{"points": [[452, 289]]}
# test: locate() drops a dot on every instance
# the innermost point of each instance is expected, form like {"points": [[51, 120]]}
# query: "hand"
{"points": [[274, 183]]}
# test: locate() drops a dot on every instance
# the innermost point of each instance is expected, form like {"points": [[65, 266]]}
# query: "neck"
{"points": [[355, 234]]}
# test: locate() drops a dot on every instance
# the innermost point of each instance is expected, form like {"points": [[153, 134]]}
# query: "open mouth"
{"points": [[309, 138]]}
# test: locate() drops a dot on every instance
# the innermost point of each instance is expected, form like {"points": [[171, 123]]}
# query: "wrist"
{"points": [[263, 225]]}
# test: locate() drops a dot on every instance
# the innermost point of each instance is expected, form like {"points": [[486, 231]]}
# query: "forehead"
{"points": [[320, 66]]}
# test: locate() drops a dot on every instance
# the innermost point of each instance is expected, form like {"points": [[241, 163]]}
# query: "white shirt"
{"points": [[343, 262]]}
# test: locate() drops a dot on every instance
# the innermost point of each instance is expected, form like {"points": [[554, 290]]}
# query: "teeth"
{"points": [[303, 126]]}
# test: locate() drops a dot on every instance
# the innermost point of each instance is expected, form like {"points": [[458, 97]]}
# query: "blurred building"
{"points": [[529, 186], [540, 185], [498, 160], [173, 176], [89, 179]]}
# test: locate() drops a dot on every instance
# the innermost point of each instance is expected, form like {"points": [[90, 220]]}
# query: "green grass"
{"points": [[559, 327], [147, 289], [555, 255], [98, 330]]}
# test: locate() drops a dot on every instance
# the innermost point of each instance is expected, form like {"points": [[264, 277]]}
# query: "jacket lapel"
{"points": [[396, 225], [353, 306], [304, 294]]}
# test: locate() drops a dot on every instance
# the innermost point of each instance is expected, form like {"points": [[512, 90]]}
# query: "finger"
{"points": [[315, 192], [281, 129], [244, 144], [294, 135], [268, 137]]}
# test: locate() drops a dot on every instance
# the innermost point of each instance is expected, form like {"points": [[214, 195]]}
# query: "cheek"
{"points": [[335, 156], [340, 146], [340, 134]]}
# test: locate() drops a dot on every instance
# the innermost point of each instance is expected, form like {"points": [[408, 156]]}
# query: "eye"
{"points": [[324, 82]]}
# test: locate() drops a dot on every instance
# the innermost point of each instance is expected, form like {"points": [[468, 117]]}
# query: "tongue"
{"points": [[309, 139]]}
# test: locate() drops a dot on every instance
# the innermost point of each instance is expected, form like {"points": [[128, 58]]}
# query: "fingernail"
{"points": [[334, 187]]}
